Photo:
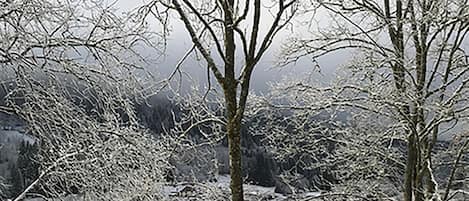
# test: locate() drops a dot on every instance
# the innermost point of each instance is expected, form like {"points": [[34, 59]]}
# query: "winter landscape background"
{"points": [[234, 100]]}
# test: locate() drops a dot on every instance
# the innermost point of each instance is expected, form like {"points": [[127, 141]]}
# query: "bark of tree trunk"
{"points": [[410, 168], [234, 143]]}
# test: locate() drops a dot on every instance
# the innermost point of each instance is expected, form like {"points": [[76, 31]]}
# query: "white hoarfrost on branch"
{"points": [[69, 69], [406, 87]]}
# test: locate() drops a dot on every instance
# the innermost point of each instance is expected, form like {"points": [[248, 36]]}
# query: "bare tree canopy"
{"points": [[69, 72], [412, 68], [216, 28]]}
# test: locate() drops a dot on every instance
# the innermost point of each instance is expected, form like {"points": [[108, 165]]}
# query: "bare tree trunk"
{"points": [[234, 142], [396, 35], [410, 167], [230, 91]]}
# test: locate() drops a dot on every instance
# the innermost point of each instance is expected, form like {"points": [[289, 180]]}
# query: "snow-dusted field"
{"points": [[216, 191], [219, 190]]}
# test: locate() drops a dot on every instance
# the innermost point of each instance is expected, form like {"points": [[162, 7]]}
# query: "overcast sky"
{"points": [[179, 42]]}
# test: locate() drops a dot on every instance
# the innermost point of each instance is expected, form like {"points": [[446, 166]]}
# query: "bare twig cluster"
{"points": [[409, 74], [72, 71]]}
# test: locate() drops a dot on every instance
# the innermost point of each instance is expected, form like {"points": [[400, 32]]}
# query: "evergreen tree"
{"points": [[27, 165], [16, 180]]}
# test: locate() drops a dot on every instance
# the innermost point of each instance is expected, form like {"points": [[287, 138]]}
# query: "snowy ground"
{"points": [[212, 191], [219, 190]]}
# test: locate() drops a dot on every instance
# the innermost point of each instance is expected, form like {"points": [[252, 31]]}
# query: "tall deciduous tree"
{"points": [[418, 52], [219, 29]]}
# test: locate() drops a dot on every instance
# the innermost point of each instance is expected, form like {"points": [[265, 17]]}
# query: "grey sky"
{"points": [[179, 42]]}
